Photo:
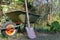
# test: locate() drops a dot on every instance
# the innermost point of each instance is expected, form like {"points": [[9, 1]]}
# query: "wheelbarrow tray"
{"points": [[19, 16]]}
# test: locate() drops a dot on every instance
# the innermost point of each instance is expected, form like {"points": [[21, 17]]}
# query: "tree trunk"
{"points": [[0, 8]]}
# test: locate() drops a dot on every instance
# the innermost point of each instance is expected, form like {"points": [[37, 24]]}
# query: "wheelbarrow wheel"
{"points": [[9, 30]]}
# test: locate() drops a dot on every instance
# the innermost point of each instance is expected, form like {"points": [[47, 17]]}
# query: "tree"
{"points": [[0, 8]]}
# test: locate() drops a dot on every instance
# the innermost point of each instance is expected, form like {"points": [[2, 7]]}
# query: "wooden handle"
{"points": [[28, 22]]}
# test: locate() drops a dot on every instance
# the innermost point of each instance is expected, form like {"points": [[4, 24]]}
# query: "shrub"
{"points": [[55, 26]]}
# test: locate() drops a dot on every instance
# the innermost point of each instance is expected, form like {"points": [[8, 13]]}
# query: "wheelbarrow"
{"points": [[15, 18]]}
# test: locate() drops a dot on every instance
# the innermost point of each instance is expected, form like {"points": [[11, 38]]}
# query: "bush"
{"points": [[55, 26], [42, 29]]}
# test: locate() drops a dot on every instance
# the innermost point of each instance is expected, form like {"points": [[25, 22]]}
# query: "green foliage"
{"points": [[56, 18], [42, 29], [21, 0], [55, 26], [41, 10]]}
